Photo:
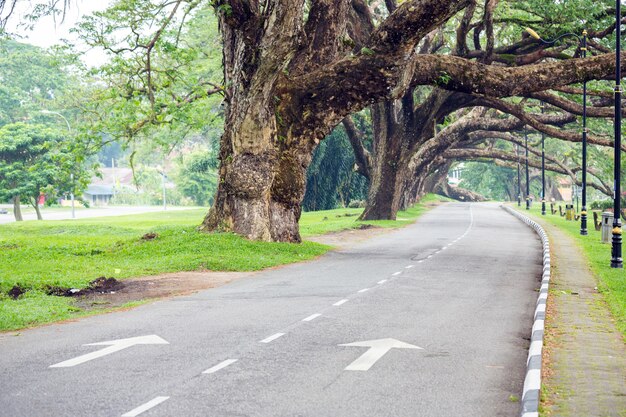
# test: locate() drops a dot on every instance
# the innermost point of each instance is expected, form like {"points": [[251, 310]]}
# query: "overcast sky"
{"points": [[47, 31]]}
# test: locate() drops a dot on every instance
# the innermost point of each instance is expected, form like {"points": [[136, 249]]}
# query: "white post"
{"points": [[72, 197], [163, 183]]}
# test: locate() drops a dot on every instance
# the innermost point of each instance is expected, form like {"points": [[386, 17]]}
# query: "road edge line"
{"points": [[532, 381]]}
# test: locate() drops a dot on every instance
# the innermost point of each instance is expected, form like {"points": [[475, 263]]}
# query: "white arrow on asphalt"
{"points": [[377, 349], [112, 347]]}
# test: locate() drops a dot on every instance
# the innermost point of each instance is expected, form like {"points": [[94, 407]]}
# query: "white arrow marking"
{"points": [[113, 346], [377, 349]]}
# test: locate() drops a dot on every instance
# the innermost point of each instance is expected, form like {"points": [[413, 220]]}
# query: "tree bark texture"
{"points": [[35, 205], [17, 209]]}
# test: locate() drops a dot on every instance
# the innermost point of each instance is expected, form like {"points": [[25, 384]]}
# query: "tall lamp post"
{"points": [[71, 175], [519, 178], [543, 168], [527, 176], [616, 247], [583, 211]]}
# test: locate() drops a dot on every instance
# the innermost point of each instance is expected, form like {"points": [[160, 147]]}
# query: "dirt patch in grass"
{"points": [[154, 287], [16, 291], [346, 238]]}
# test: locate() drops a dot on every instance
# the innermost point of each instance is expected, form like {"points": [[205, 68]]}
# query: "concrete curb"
{"points": [[532, 382]]}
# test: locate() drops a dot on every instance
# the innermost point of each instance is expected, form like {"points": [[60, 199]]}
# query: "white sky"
{"points": [[47, 32]]}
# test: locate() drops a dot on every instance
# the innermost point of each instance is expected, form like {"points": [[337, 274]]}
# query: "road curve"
{"points": [[430, 320]]}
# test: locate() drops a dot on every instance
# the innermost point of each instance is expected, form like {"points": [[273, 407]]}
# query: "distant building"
{"points": [[98, 195], [565, 188], [454, 175]]}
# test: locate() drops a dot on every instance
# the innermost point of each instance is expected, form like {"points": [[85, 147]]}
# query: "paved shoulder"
{"points": [[587, 354]]}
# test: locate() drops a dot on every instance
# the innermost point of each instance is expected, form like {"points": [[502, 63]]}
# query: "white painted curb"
{"points": [[532, 382]]}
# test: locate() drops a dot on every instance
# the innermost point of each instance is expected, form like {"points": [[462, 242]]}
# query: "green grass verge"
{"points": [[611, 282], [326, 221], [70, 254]]}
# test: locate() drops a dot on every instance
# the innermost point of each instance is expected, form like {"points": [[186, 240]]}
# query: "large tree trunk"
{"points": [[263, 177], [460, 194], [17, 209], [263, 155], [35, 204], [383, 201]]}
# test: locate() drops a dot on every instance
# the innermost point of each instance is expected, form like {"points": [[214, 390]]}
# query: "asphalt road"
{"points": [[460, 284], [82, 213]]}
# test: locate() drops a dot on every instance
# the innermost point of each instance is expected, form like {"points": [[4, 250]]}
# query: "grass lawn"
{"points": [[611, 282], [39, 254]]}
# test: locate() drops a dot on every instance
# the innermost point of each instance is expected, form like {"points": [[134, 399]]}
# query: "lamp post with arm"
{"points": [[616, 244]]}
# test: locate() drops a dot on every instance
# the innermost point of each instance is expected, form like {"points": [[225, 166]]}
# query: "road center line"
{"points": [[272, 338], [382, 281], [409, 266], [312, 317], [364, 289], [340, 302], [145, 407], [395, 274], [220, 366]]}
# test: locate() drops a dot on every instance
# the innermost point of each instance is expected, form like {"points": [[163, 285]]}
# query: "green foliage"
{"points": [[443, 79], [492, 181], [36, 159], [196, 178], [160, 92], [331, 179], [601, 205], [30, 79], [552, 19]]}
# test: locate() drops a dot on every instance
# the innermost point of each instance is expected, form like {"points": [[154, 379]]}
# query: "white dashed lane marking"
{"points": [[145, 407], [272, 338], [312, 317], [220, 366]]}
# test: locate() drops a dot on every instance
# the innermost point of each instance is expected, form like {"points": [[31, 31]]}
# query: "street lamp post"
{"points": [[69, 129], [527, 175], [616, 247], [519, 178], [583, 212], [543, 169]]}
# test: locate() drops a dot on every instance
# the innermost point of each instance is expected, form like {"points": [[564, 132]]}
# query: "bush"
{"points": [[601, 204], [356, 204]]}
